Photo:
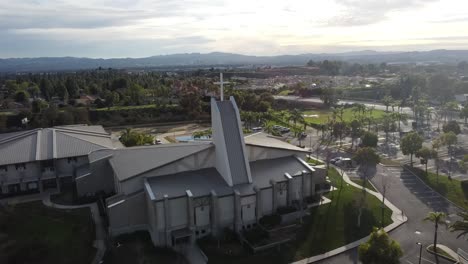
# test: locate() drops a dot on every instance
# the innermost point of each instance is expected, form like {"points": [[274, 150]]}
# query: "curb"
{"points": [[440, 255], [452, 203]]}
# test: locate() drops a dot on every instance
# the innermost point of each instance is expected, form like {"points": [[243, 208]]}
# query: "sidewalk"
{"points": [[100, 242], [27, 198], [398, 219]]}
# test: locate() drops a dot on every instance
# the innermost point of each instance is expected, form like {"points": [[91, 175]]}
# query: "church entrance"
{"points": [[181, 237]]}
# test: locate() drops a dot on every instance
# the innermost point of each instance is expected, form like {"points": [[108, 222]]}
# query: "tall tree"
{"points": [[369, 139], [426, 154], [464, 113], [387, 101], [410, 144], [452, 126], [367, 159], [437, 218], [380, 249]]}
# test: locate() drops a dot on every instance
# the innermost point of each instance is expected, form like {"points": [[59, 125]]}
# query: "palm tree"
{"points": [[387, 101], [436, 218], [461, 225], [296, 116]]}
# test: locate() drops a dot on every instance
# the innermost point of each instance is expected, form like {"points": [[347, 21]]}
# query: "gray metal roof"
{"points": [[264, 140], [233, 141], [129, 162], [201, 182], [52, 143]]}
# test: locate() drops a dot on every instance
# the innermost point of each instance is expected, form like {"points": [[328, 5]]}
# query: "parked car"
{"points": [[335, 160], [257, 129], [158, 142]]}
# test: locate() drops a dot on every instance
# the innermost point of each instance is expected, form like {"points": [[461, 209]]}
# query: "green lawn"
{"points": [[286, 92], [361, 182], [335, 224], [130, 107], [138, 248], [314, 161], [328, 227], [451, 189], [325, 115], [34, 233]]}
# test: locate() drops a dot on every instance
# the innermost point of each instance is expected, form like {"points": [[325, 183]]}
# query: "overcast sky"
{"points": [[140, 28]]}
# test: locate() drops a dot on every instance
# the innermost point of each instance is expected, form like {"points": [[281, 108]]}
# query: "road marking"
{"points": [[425, 259]]}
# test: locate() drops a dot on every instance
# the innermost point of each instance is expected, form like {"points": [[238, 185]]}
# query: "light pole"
{"points": [[420, 251]]}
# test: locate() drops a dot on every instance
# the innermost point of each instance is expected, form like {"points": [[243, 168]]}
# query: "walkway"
{"points": [[27, 198], [397, 217], [192, 253], [100, 242]]}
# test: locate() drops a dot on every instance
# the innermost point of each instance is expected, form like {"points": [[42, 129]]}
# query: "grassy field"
{"points": [[130, 107], [451, 189], [34, 233], [325, 115], [138, 248], [328, 227]]}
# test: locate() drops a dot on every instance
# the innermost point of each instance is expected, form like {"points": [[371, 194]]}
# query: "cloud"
{"points": [[108, 28], [365, 12]]}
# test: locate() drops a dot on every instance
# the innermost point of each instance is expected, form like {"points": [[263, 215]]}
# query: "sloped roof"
{"points": [[52, 143], [264, 140], [201, 182], [129, 162]]}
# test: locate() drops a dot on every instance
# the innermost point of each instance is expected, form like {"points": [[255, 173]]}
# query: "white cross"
{"points": [[221, 84]]}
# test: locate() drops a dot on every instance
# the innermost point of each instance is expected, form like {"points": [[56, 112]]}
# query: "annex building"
{"points": [[40, 159]]}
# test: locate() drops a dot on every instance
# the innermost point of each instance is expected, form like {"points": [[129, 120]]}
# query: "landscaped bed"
{"points": [[335, 224], [452, 189], [138, 248], [440, 252], [34, 233], [327, 227]]}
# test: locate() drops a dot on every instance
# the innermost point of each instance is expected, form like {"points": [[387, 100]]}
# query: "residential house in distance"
{"points": [[180, 192], [39, 159]]}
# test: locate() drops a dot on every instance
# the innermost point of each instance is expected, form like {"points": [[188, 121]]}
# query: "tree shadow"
{"points": [[352, 231]]}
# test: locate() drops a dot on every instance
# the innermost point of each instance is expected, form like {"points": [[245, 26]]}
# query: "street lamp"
{"points": [[420, 251]]}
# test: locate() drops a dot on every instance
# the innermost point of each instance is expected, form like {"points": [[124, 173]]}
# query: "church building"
{"points": [[180, 192]]}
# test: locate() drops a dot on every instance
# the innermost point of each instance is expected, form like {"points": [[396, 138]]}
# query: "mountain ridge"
{"points": [[69, 63]]}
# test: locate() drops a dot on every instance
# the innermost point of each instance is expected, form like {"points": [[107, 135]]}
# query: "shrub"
{"points": [[270, 221]]}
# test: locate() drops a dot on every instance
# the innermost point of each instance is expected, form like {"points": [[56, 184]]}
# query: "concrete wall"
{"points": [[128, 216], [267, 206], [64, 168], [248, 208], [202, 215], [100, 179], [178, 213], [13, 175], [226, 210]]}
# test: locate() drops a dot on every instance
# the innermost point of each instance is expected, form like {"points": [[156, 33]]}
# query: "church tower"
{"points": [[231, 158]]}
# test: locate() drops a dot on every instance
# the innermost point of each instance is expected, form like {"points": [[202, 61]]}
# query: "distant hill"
{"points": [[47, 64]]}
